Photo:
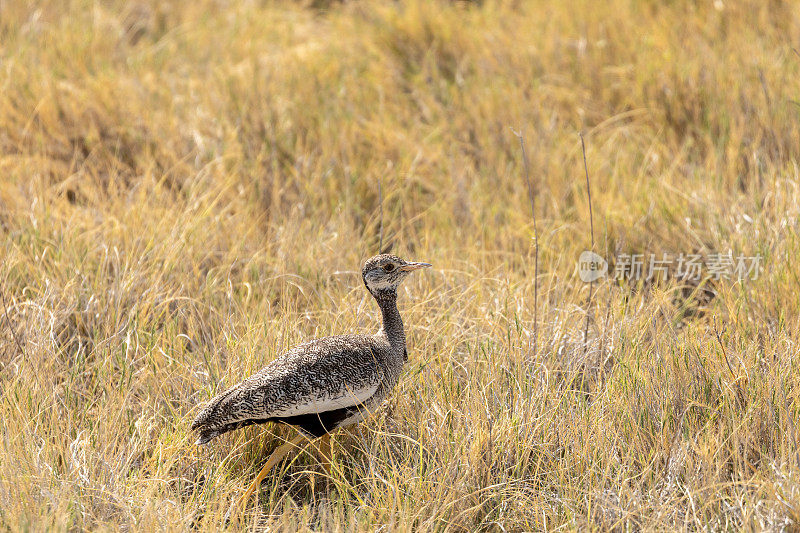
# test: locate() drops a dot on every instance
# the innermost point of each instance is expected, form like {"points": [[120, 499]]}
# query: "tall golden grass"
{"points": [[189, 188]]}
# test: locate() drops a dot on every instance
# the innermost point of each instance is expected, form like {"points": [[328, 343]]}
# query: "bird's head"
{"points": [[383, 273]]}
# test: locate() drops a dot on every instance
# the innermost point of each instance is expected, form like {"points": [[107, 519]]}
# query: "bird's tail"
{"points": [[206, 434], [211, 422]]}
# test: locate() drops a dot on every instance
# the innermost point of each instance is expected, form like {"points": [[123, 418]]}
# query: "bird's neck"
{"points": [[392, 323]]}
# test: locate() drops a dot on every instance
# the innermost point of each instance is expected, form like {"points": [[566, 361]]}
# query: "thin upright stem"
{"points": [[591, 229]]}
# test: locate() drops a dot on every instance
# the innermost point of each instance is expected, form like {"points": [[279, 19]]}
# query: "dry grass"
{"points": [[188, 188]]}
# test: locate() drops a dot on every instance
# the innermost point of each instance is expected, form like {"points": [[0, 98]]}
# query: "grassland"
{"points": [[189, 188]]}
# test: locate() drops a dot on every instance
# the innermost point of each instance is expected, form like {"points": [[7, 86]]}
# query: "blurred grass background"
{"points": [[189, 188]]}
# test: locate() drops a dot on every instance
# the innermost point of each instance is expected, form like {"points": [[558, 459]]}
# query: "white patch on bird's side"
{"points": [[329, 402]]}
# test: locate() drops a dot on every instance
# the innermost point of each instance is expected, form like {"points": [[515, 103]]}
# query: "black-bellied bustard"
{"points": [[323, 384]]}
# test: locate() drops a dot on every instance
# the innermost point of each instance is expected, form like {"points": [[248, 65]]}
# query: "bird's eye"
{"points": [[389, 267]]}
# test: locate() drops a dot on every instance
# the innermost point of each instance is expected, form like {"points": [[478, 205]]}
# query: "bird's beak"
{"points": [[414, 266]]}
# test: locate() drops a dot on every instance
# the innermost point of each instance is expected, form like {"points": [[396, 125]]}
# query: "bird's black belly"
{"points": [[312, 424], [318, 424]]}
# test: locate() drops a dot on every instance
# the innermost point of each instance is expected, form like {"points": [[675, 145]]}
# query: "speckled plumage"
{"points": [[328, 382]]}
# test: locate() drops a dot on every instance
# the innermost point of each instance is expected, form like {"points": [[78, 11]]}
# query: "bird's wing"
{"points": [[331, 389], [319, 376]]}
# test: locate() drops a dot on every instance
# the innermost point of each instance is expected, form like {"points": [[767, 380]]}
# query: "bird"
{"points": [[324, 384]]}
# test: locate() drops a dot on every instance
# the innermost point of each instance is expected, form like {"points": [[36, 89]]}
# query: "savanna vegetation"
{"points": [[189, 188]]}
